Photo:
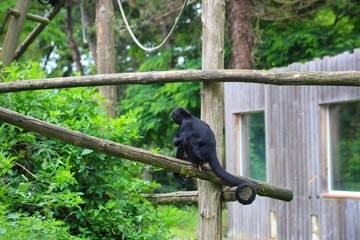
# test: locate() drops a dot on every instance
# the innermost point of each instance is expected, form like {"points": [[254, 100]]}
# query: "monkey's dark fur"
{"points": [[197, 140]]}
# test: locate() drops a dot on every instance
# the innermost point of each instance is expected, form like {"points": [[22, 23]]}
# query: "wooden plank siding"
{"points": [[295, 156], [242, 216]]}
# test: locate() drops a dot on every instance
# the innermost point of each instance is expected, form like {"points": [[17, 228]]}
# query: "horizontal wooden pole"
{"points": [[348, 78], [181, 197], [77, 138], [187, 197]]}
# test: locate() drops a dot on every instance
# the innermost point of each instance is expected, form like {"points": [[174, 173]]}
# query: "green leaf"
{"points": [[86, 152]]}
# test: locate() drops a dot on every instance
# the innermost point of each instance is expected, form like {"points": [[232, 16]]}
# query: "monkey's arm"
{"points": [[179, 140]]}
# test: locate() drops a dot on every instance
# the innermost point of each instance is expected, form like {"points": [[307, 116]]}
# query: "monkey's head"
{"points": [[179, 114]]}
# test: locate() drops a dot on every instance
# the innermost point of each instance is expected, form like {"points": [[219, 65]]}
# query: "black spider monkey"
{"points": [[45, 2], [197, 140]]}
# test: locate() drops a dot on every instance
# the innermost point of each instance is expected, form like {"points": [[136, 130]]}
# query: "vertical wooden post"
{"points": [[212, 112], [13, 34], [105, 60]]}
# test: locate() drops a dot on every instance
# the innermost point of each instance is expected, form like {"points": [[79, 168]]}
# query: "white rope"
{"points": [[135, 39]]}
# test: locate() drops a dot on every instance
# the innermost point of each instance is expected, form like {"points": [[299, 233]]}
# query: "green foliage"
{"points": [[329, 31], [257, 157], [20, 226], [65, 189], [349, 149], [153, 105], [151, 23], [186, 219]]}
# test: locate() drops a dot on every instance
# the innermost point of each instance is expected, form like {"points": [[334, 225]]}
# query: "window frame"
{"points": [[242, 165], [327, 142]]}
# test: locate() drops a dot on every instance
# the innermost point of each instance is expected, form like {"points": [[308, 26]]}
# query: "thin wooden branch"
{"points": [[79, 139], [187, 197], [348, 78], [29, 16]]}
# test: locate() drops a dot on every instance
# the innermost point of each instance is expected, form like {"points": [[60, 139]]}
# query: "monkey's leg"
{"points": [[180, 154], [200, 167]]}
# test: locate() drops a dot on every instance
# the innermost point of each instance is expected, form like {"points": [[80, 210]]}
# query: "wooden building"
{"points": [[306, 138]]}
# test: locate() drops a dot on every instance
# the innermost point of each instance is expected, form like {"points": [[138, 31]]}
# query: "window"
{"points": [[343, 146], [251, 145]]}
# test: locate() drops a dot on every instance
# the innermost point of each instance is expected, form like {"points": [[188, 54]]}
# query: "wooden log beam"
{"points": [[347, 78], [79, 139], [187, 197], [181, 197]]}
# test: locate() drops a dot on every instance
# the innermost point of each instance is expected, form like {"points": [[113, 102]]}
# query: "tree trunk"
{"points": [[240, 34], [106, 51], [212, 112], [88, 21], [72, 44]]}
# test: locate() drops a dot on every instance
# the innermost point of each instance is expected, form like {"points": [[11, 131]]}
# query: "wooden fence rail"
{"points": [[187, 197], [348, 78], [131, 153]]}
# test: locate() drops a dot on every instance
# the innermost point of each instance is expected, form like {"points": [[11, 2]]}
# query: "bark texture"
{"points": [[242, 42], [212, 112], [106, 52], [72, 44]]}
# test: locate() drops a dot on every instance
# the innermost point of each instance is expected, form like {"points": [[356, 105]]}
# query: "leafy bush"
{"points": [[50, 188], [21, 226]]}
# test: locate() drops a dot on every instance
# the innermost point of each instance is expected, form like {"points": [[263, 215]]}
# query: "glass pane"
{"points": [[345, 146], [253, 147]]}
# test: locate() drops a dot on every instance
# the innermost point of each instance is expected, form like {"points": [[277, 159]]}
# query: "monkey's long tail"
{"points": [[233, 181]]}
